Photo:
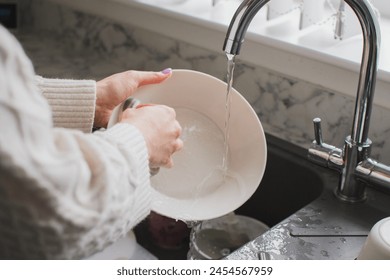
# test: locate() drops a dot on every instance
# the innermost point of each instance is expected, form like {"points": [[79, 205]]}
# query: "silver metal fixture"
{"points": [[356, 168]]}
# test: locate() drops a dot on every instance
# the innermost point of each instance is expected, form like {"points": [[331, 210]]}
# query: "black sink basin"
{"points": [[290, 182]]}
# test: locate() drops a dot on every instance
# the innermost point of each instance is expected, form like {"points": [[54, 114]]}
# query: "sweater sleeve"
{"points": [[72, 102], [64, 194]]}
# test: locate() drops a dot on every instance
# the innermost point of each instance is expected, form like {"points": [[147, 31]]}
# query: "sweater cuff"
{"points": [[72, 102], [131, 139]]}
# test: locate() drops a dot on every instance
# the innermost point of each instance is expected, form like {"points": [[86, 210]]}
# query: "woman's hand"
{"points": [[160, 129], [115, 89]]}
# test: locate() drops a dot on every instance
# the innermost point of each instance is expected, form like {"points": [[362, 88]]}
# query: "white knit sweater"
{"points": [[65, 193]]}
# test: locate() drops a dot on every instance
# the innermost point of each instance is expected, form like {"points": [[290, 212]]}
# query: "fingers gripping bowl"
{"points": [[196, 188]]}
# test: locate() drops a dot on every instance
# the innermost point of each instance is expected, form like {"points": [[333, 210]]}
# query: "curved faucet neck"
{"points": [[368, 69], [369, 63]]}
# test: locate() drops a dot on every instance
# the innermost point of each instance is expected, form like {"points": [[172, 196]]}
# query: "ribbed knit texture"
{"points": [[72, 101], [64, 194]]}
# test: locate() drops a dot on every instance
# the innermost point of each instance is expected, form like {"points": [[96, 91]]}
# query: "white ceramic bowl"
{"points": [[377, 245], [191, 190]]}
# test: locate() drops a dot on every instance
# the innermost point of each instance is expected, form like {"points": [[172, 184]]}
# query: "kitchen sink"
{"points": [[296, 200]]}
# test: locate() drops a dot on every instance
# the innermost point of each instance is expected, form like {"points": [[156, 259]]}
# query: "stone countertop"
{"points": [[54, 59]]}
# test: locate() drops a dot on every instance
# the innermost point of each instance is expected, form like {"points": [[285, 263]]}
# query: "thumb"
{"points": [[146, 78]]}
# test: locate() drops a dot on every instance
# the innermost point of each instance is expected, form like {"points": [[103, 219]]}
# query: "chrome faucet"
{"points": [[357, 169]]}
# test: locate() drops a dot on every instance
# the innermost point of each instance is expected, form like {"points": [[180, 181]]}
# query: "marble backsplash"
{"points": [[71, 44]]}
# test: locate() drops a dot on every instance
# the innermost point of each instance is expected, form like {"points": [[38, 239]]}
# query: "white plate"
{"points": [[200, 101]]}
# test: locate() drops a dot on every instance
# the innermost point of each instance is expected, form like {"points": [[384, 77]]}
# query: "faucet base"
{"points": [[348, 199], [350, 188]]}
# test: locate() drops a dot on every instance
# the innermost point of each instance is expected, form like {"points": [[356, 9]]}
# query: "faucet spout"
{"points": [[239, 24], [357, 145]]}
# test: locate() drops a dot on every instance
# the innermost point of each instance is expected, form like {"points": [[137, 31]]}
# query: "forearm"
{"points": [[73, 193]]}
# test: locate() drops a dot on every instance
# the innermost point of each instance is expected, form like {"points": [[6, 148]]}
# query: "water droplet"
{"points": [[225, 251], [325, 253]]}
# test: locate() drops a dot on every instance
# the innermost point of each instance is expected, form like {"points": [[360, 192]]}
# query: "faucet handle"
{"points": [[317, 131], [324, 154]]}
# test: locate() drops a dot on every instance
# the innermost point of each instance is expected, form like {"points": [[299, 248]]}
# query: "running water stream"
{"points": [[229, 80]]}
